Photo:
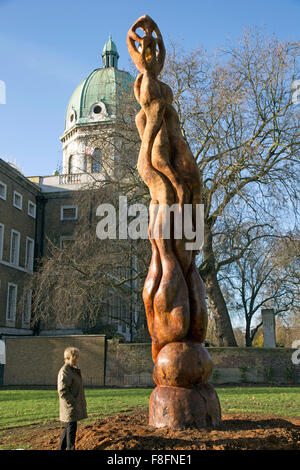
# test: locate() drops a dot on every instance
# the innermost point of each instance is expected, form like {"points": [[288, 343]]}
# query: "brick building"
{"points": [[18, 231], [39, 208]]}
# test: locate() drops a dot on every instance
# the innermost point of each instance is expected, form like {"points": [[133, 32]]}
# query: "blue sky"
{"points": [[47, 48]]}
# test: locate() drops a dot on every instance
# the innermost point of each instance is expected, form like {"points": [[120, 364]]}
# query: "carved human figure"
{"points": [[174, 294]]}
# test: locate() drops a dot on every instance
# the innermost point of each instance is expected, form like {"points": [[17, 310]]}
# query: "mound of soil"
{"points": [[131, 431]]}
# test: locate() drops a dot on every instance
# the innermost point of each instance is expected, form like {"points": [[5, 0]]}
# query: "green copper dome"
{"points": [[95, 99]]}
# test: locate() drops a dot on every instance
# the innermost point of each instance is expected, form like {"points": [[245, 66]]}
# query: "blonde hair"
{"points": [[71, 353]]}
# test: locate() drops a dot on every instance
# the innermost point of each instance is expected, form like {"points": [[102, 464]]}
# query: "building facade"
{"points": [[18, 231], [38, 210]]}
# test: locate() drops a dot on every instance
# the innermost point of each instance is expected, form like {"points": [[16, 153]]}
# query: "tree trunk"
{"points": [[248, 339], [215, 297]]}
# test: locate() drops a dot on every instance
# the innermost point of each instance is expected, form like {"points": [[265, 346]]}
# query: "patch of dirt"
{"points": [[131, 431]]}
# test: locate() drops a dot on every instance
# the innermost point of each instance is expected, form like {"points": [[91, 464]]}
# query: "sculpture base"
{"points": [[183, 408]]}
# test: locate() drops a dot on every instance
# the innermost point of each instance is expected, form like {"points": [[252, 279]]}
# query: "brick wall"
{"points": [[19, 220], [256, 365], [131, 365], [128, 364], [36, 361], [54, 227]]}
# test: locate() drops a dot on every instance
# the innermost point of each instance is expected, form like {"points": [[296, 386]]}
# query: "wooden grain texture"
{"points": [[174, 294]]}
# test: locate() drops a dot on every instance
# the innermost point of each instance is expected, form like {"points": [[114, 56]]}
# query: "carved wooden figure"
{"points": [[174, 294]]}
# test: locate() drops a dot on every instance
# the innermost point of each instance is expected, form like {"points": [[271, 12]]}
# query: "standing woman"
{"points": [[72, 404]]}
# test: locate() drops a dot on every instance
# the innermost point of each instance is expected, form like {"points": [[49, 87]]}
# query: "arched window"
{"points": [[96, 161], [76, 165], [71, 165]]}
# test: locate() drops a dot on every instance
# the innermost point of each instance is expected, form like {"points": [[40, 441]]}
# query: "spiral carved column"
{"points": [[174, 294]]}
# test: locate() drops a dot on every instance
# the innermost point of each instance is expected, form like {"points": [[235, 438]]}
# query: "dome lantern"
{"points": [[110, 54]]}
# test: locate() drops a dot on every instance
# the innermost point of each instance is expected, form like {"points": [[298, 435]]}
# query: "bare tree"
{"points": [[238, 116], [236, 113], [259, 279], [90, 281]]}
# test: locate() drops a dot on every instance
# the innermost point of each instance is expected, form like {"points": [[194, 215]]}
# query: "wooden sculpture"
{"points": [[174, 294]]}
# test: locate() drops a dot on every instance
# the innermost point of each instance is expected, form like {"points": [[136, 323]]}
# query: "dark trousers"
{"points": [[68, 437]]}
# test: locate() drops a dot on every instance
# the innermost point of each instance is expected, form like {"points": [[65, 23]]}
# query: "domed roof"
{"points": [[95, 98]]}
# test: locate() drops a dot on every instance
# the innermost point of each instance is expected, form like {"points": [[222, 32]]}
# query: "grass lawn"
{"points": [[25, 407]]}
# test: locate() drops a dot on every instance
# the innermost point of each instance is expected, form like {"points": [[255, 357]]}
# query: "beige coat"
{"points": [[72, 404]]}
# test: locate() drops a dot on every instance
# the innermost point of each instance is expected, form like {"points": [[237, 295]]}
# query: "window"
{"points": [[2, 352], [97, 109], [27, 307], [1, 240], [110, 311], [128, 272], [11, 305], [3, 190], [71, 165], [76, 165], [96, 161], [18, 200], [68, 212], [66, 242], [31, 209], [29, 254], [14, 247]]}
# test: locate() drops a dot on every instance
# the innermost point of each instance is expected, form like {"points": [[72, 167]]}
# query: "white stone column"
{"points": [[268, 318], [81, 157]]}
